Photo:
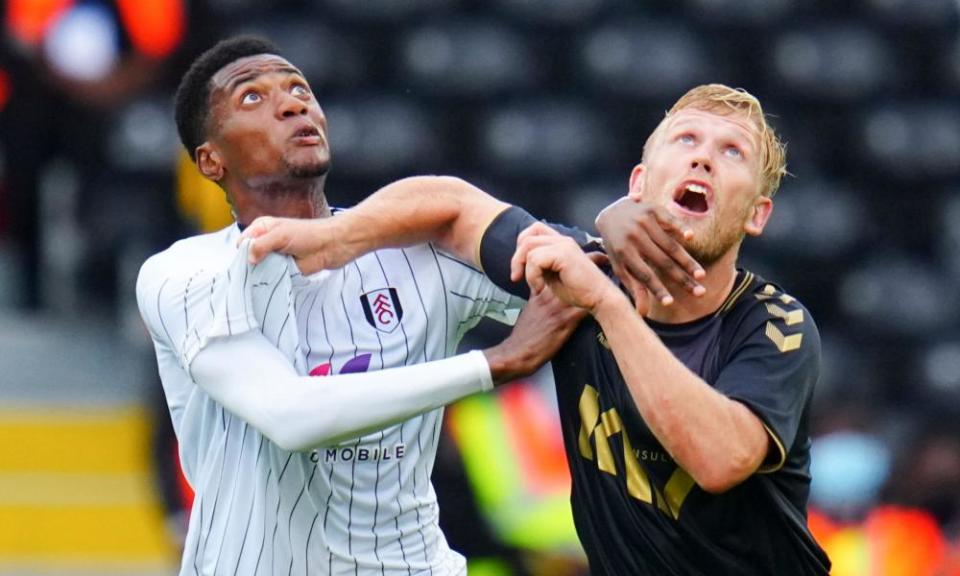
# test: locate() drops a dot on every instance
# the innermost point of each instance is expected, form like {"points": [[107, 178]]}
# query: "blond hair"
{"points": [[726, 101]]}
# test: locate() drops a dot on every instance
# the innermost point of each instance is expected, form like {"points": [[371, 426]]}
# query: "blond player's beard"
{"points": [[713, 243]]}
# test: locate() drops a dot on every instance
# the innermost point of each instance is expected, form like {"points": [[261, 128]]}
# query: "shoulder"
{"points": [[764, 311], [184, 258]]}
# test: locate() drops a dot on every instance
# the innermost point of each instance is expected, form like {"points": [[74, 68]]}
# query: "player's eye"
{"points": [[687, 139], [733, 152], [250, 97], [300, 90]]}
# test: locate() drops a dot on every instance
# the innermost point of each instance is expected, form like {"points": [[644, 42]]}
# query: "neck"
{"points": [[291, 198], [686, 307]]}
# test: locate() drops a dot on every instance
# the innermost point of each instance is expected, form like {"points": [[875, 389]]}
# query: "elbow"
{"points": [[717, 478], [717, 483], [278, 427], [458, 193], [743, 453]]}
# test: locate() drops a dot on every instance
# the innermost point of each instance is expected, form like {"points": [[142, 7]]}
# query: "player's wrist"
{"points": [[611, 303], [336, 241], [352, 236], [505, 364]]}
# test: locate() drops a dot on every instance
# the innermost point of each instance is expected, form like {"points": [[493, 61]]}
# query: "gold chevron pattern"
{"points": [[790, 318], [783, 343]]}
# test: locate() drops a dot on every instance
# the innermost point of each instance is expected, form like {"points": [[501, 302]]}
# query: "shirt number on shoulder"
{"points": [[600, 427]]}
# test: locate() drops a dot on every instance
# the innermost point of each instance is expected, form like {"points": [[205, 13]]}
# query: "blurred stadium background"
{"points": [[544, 103]]}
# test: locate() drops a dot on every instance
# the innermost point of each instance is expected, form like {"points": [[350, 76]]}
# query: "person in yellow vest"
{"points": [[512, 456]]}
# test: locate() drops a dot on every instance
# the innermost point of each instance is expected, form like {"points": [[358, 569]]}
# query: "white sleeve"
{"points": [[248, 298], [190, 294], [184, 302], [252, 379], [234, 332]]}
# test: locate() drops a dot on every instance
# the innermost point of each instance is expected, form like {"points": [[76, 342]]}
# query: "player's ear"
{"points": [[209, 161], [636, 182], [759, 215]]}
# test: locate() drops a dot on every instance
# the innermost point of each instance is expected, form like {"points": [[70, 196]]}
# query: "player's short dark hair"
{"points": [[192, 106]]}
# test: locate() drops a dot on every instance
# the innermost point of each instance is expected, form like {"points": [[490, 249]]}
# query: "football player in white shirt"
{"points": [[307, 457]]}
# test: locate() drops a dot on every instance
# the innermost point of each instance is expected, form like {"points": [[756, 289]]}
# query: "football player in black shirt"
{"points": [[684, 397]]}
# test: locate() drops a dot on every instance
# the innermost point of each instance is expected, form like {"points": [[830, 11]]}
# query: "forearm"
{"points": [[252, 379], [447, 211], [510, 360], [718, 441]]}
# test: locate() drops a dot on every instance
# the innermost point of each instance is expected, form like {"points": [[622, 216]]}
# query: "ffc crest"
{"points": [[382, 309]]}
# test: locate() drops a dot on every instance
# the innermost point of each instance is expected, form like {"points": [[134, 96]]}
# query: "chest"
{"points": [[594, 398], [609, 446], [588, 360], [383, 310]]}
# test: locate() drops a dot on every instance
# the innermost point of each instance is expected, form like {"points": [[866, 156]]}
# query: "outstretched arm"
{"points": [[251, 378], [447, 211], [210, 328], [643, 242]]}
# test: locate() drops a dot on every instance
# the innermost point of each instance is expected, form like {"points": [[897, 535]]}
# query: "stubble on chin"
{"points": [[709, 246], [309, 170]]}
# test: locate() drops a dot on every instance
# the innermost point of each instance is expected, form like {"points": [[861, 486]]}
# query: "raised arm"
{"points": [[446, 211], [643, 242]]}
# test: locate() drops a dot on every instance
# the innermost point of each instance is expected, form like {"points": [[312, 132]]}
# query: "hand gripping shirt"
{"points": [[363, 506], [635, 510]]}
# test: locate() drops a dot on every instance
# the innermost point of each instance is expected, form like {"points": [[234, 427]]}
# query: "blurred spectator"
{"points": [[514, 466], [928, 473], [890, 541], [72, 64], [848, 470], [82, 198], [884, 512]]}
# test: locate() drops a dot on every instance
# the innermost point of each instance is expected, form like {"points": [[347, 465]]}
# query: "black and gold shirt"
{"points": [[636, 511]]}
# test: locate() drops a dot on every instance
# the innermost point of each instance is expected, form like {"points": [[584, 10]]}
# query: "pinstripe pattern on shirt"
{"points": [[364, 506]]}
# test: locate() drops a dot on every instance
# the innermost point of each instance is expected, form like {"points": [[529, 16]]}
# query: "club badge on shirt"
{"points": [[382, 309]]}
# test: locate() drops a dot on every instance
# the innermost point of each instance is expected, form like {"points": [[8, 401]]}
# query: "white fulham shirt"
{"points": [[362, 506]]}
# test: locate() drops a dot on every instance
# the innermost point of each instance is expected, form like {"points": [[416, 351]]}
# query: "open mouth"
{"points": [[306, 132], [693, 197]]}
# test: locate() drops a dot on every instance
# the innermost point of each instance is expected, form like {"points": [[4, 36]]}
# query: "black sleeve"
{"points": [[773, 370], [499, 242]]}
